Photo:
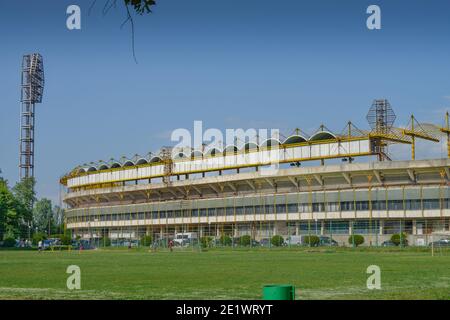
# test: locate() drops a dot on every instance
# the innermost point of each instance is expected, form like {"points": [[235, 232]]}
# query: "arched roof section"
{"points": [[155, 159], [128, 163], [213, 152], [115, 165], [196, 154], [231, 149], [81, 170], [250, 146], [103, 166], [180, 155], [91, 169], [271, 142], [141, 161], [322, 135], [295, 139]]}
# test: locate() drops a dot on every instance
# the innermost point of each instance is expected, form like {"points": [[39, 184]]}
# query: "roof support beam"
{"points": [[250, 183], [197, 189], [231, 185], [318, 179], [411, 175], [172, 192], [294, 181], [378, 176], [269, 182], [214, 188], [347, 177]]}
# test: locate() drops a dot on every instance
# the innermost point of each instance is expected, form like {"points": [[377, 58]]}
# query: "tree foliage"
{"points": [[141, 6], [277, 240], [43, 217], [21, 213]]}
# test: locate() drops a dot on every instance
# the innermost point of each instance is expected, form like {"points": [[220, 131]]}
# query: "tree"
{"points": [[24, 193], [245, 240], [43, 216], [277, 240], [356, 240], [10, 213], [58, 218]]}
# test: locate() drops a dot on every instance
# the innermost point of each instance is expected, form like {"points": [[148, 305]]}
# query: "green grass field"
{"points": [[224, 274]]}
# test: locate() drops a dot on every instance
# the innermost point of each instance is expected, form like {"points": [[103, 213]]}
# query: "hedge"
{"points": [[356, 239]]}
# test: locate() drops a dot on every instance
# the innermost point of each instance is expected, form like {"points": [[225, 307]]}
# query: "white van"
{"points": [[185, 237], [294, 240]]}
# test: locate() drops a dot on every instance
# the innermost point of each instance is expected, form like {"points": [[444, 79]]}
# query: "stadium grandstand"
{"points": [[268, 188]]}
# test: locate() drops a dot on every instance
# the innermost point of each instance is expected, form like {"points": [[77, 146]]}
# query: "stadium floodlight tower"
{"points": [[32, 91], [381, 119]]}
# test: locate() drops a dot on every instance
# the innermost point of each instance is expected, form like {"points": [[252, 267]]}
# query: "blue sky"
{"points": [[239, 63]]}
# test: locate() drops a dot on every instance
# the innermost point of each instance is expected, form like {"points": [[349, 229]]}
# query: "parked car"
{"points": [[388, 243], [440, 243], [327, 241], [265, 242]]}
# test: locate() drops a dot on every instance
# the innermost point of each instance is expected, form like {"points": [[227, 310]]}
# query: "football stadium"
{"points": [[330, 185]]}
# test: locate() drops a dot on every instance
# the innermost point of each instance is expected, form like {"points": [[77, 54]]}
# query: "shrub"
{"points": [[277, 241], [225, 240], [145, 240], [245, 240], [65, 239], [312, 240], [9, 242], [206, 241], [38, 236], [105, 242], [398, 239], [356, 239]]}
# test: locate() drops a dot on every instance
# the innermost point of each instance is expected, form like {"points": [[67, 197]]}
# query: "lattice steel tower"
{"points": [[32, 90]]}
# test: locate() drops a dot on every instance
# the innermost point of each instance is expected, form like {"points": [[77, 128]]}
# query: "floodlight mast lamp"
{"points": [[31, 93]]}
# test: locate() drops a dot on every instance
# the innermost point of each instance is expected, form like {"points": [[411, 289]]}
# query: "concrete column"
{"points": [[381, 227], [414, 227], [322, 227]]}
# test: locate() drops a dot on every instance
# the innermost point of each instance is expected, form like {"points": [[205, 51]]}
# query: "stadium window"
{"points": [[203, 212], [336, 227], [395, 205], [212, 212], [239, 210], [431, 204], [318, 207], [220, 211], [281, 208], [292, 208], [333, 206], [269, 208], [249, 210], [230, 211]]}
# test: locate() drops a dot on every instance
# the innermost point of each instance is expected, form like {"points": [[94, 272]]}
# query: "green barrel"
{"points": [[279, 292]]}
